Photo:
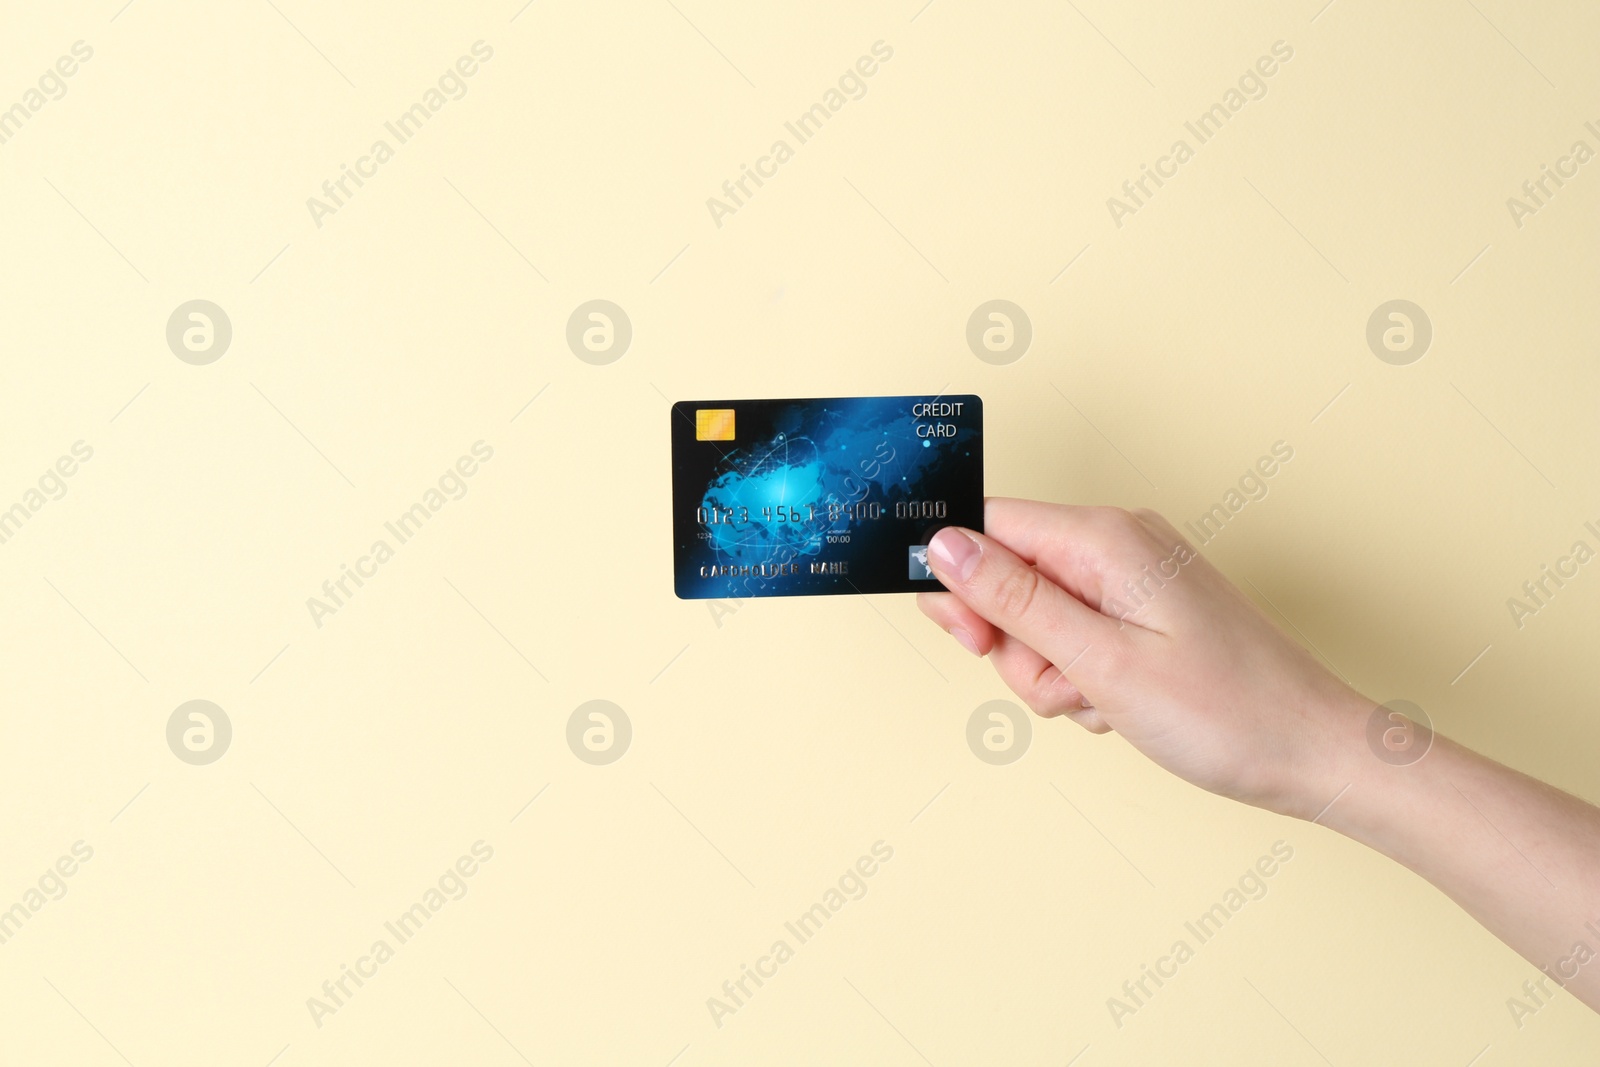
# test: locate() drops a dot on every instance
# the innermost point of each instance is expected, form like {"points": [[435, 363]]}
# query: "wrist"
{"points": [[1348, 743], [1383, 775]]}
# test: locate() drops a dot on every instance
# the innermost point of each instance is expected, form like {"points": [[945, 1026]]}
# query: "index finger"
{"points": [[1022, 601]]}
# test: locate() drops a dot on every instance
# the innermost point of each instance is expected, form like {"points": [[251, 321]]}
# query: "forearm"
{"points": [[1521, 857]]}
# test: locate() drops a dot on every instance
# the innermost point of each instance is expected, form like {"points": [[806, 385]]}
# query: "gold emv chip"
{"points": [[713, 424]]}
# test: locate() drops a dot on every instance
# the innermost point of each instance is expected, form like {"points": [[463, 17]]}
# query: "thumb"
{"points": [[997, 584]]}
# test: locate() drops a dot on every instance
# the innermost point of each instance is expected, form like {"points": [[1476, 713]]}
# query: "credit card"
{"points": [[806, 497]]}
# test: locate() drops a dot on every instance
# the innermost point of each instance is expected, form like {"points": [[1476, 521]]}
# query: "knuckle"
{"points": [[1130, 537], [1117, 524], [1015, 592], [1127, 522], [1053, 696], [1159, 524]]}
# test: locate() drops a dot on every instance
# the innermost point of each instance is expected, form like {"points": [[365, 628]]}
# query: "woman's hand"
{"points": [[1112, 618]]}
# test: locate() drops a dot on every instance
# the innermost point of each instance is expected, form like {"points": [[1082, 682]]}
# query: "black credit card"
{"points": [[804, 497]]}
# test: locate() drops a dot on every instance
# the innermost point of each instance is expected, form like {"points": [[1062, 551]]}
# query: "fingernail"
{"points": [[965, 640], [956, 552]]}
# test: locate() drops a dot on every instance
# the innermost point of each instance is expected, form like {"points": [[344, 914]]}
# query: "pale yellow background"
{"points": [[770, 751]]}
